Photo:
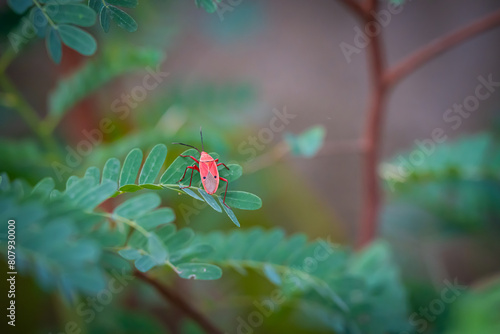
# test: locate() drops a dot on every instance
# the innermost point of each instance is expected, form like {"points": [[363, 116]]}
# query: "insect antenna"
{"points": [[188, 146], [201, 135]]}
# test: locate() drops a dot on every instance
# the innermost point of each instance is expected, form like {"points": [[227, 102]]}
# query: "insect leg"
{"points": [[193, 168], [184, 175], [225, 193], [221, 164], [189, 156]]}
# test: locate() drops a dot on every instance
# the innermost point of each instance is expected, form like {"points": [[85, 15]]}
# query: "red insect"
{"points": [[207, 167]]}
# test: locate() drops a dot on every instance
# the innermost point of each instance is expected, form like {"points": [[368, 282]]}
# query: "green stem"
{"points": [[45, 14], [6, 59], [124, 220], [17, 102]]}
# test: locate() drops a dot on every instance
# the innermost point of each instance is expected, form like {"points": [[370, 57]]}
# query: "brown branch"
{"points": [[372, 135], [440, 45], [382, 79], [177, 300], [355, 6]]}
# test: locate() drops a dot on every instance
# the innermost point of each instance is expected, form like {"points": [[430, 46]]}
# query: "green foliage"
{"points": [[477, 311], [59, 22], [33, 166], [308, 143], [166, 246], [49, 244], [66, 231], [209, 5], [108, 10], [355, 293], [457, 182], [112, 63]]}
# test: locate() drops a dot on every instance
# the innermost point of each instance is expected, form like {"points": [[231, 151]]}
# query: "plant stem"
{"points": [[383, 79], [124, 220], [441, 45], [27, 113], [6, 59], [42, 9], [179, 302]]}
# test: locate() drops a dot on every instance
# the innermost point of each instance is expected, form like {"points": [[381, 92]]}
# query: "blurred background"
{"points": [[234, 72]]}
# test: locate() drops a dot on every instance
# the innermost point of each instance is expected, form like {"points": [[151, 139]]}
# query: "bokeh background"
{"points": [[228, 71]]}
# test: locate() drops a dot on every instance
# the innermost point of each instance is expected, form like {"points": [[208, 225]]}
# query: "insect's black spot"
{"points": [[215, 176], [204, 177]]}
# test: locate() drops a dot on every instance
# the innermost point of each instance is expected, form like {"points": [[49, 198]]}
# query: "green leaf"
{"points": [[98, 194], [53, 44], [111, 170], [191, 193], [131, 167], [130, 254], [71, 180], [166, 232], [137, 206], [44, 187], [189, 253], [234, 172], [105, 19], [157, 249], [94, 174], [122, 19], [155, 218], [210, 200], [229, 212], [77, 39], [174, 172], [96, 5], [78, 188], [77, 14], [145, 263], [209, 5], [271, 274], [111, 63], [153, 164], [243, 200], [308, 143], [178, 240], [200, 271], [20, 6], [123, 3]]}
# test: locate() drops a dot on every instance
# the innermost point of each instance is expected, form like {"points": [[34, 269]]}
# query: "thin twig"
{"points": [[440, 45], [18, 103], [177, 300]]}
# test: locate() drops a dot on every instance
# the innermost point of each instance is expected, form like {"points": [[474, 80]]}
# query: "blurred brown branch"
{"points": [[180, 303], [382, 80], [441, 45]]}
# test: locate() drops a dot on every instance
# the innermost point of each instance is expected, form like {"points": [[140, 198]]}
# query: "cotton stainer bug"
{"points": [[207, 167]]}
